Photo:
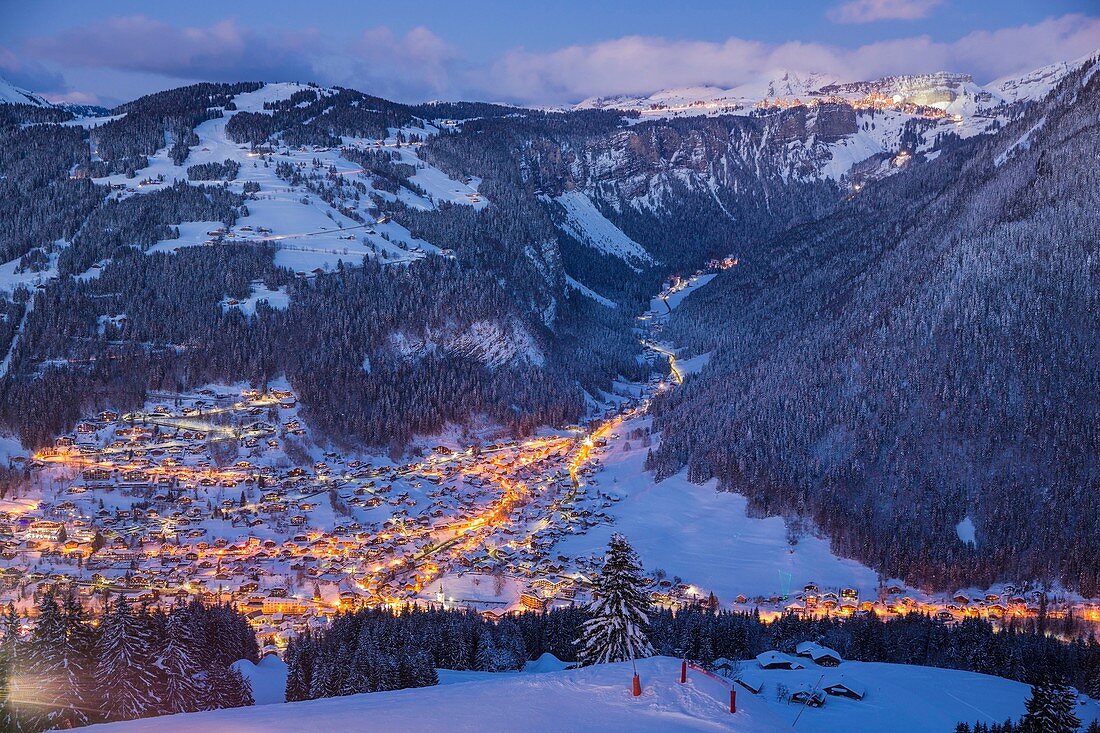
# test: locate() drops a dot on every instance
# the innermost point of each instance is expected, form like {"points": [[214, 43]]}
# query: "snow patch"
{"points": [[1023, 143], [268, 679], [278, 298], [584, 222], [490, 342], [589, 292], [967, 532]]}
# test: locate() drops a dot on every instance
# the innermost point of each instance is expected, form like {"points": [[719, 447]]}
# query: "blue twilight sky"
{"points": [[528, 52]]}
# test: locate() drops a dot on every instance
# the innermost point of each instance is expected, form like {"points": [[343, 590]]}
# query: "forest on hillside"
{"points": [[927, 353]]}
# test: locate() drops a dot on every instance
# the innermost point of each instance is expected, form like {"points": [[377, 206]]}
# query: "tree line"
{"points": [[72, 668]]}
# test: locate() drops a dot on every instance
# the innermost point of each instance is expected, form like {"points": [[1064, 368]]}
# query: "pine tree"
{"points": [[1092, 668], [1050, 709], [123, 657], [619, 627], [181, 689], [11, 650], [78, 690], [301, 653], [46, 665], [226, 687]]}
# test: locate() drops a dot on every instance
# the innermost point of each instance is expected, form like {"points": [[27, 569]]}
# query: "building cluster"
{"points": [[197, 496], [895, 599], [873, 101]]}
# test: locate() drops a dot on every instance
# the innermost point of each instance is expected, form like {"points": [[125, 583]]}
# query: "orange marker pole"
{"points": [[637, 686]]}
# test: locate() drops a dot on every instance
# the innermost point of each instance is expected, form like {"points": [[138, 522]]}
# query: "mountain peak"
{"points": [[11, 94]]}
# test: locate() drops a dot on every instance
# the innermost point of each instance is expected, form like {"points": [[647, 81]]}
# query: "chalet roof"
{"points": [[816, 651], [774, 659], [751, 680], [844, 686]]}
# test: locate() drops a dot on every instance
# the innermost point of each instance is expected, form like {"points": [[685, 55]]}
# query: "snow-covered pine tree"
{"points": [[1092, 668], [180, 686], [79, 690], [300, 655], [487, 655], [226, 687], [123, 658], [619, 627], [415, 668], [1050, 709], [325, 681], [358, 675], [43, 693], [11, 650]]}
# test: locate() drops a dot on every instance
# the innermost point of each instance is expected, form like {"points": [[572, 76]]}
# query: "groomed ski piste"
{"points": [[598, 698]]}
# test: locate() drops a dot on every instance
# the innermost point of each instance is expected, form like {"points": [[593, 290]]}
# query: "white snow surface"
{"points": [[967, 532], [11, 94], [309, 235], [278, 298], [268, 679], [584, 222], [492, 342], [705, 536], [598, 699], [589, 292], [1036, 84]]}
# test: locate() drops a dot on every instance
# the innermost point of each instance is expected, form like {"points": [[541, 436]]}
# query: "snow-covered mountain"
{"points": [[850, 131], [11, 94], [1036, 84], [952, 93]]}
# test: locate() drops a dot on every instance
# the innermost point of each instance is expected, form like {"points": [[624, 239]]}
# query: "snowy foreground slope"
{"points": [[598, 699]]}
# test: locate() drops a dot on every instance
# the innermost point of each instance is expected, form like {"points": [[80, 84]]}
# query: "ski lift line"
{"points": [[806, 701]]}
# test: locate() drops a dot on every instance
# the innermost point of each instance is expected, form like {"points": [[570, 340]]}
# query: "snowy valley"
{"points": [[337, 411]]}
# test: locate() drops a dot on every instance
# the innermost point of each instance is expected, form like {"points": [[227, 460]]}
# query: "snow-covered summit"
{"points": [[952, 92], [785, 85], [1037, 83], [11, 94]]}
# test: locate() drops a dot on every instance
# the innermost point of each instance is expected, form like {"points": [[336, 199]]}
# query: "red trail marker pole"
{"points": [[733, 700], [683, 671]]}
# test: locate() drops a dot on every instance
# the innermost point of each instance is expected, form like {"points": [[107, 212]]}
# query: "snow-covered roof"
{"points": [[844, 685], [779, 659], [751, 680], [816, 651]]}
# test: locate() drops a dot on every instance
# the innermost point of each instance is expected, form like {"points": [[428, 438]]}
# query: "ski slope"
{"points": [[706, 536], [308, 234], [584, 222], [598, 699]]}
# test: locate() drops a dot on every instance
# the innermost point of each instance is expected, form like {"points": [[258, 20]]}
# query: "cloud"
{"points": [[28, 75], [138, 52], [75, 97], [869, 11], [418, 63], [643, 64], [219, 52], [414, 65]]}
